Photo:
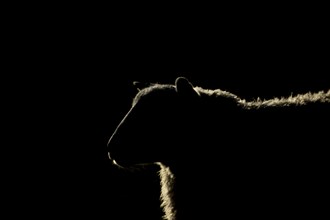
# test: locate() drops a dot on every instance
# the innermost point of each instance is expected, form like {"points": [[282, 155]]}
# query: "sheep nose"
{"points": [[109, 156], [112, 160], [110, 142]]}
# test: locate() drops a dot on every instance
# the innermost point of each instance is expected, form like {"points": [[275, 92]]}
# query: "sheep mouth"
{"points": [[114, 162], [128, 166]]}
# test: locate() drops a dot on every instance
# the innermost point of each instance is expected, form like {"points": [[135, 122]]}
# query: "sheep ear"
{"points": [[139, 85], [183, 86]]}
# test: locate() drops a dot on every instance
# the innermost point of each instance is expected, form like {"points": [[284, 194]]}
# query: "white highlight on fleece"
{"points": [[167, 180], [297, 100]]}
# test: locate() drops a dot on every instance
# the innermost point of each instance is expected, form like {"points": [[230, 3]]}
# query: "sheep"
{"points": [[221, 156]]}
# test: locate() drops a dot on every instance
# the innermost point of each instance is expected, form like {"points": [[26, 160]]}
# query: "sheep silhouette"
{"points": [[221, 156]]}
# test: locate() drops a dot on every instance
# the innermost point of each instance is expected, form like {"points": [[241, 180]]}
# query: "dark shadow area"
{"points": [[70, 83]]}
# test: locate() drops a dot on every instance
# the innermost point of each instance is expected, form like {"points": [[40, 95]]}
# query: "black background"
{"points": [[69, 83]]}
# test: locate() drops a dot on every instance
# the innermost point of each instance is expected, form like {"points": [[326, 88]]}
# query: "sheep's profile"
{"points": [[222, 157]]}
